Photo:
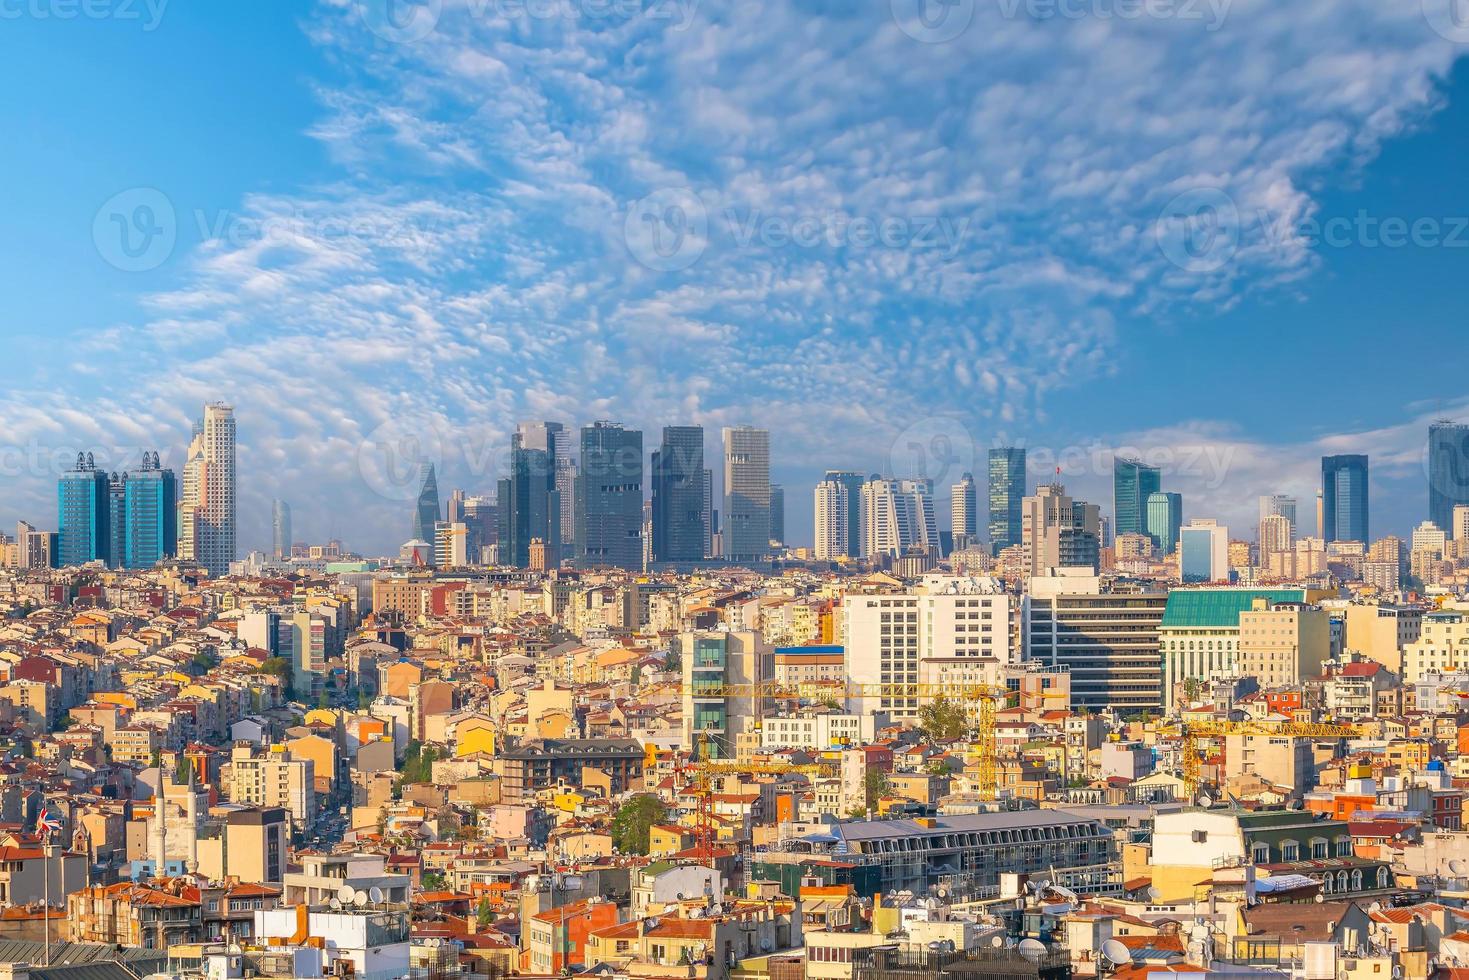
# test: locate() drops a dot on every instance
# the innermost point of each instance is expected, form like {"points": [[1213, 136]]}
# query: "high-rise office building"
{"points": [[777, 516], [1133, 482], [280, 529], [451, 544], [609, 497], [1059, 532], [481, 527], [1448, 471], [852, 482], [1162, 518], [117, 488], [898, 516], [528, 506], [745, 521], [711, 513], [426, 512], [552, 439], [1275, 537], [831, 509], [1279, 505], [207, 499], [679, 496], [1344, 508], [150, 515], [83, 514], [1007, 496], [964, 512], [1203, 552]]}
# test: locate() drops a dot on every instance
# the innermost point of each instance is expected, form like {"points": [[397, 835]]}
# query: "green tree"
{"points": [[673, 662], [204, 661], [418, 764], [1193, 689], [875, 786], [633, 823], [277, 667], [943, 719], [941, 767], [484, 914], [431, 881], [637, 674]]}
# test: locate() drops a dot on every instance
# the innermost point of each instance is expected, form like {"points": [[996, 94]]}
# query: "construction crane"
{"points": [[982, 697], [1190, 732]]}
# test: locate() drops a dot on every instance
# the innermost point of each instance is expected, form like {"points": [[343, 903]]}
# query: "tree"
{"points": [[431, 881], [277, 667], [418, 764], [633, 823], [943, 719], [484, 914], [1193, 690], [204, 661], [673, 663], [875, 786], [941, 767]]}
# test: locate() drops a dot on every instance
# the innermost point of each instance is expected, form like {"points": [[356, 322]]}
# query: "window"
{"points": [[1260, 853], [1290, 850]]}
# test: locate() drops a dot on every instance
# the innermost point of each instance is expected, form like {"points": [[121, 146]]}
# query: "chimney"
{"points": [[15, 971]]}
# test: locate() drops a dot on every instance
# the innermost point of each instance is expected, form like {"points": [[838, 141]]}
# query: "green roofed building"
{"points": [[1199, 636]]}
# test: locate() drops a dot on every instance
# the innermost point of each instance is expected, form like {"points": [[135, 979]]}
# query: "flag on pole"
{"points": [[47, 821]]}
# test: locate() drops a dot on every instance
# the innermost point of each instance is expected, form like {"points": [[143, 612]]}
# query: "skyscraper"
{"points": [[1344, 507], [528, 506], [280, 528], [1279, 505], [831, 509], [83, 514], [777, 515], [964, 512], [1059, 532], [1448, 471], [609, 497], [898, 515], [208, 498], [711, 513], [1007, 493], [150, 509], [679, 495], [552, 439], [852, 482], [1132, 483], [1162, 518], [117, 488], [426, 511], [746, 518], [1203, 552]]}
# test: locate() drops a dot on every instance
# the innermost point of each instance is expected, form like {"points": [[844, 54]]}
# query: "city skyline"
{"points": [[1055, 319]]}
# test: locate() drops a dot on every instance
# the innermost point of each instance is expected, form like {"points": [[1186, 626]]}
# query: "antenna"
{"points": [[1116, 952], [375, 895], [1032, 949], [347, 894], [360, 899]]}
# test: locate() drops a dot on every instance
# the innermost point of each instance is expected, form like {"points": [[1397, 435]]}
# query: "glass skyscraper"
{"points": [[83, 514], [280, 522], [1007, 491], [678, 475], [1344, 498], [852, 484], [1163, 517], [150, 528], [1448, 472], [528, 505], [426, 509], [609, 497], [1133, 483], [746, 518]]}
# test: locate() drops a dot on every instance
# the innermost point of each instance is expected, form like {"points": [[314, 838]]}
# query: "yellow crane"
{"points": [[982, 697], [1190, 732]]}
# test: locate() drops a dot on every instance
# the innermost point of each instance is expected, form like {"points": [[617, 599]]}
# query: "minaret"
{"points": [[160, 859]]}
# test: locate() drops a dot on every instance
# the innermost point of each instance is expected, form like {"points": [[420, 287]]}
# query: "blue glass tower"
{"points": [[150, 501], [83, 514], [1344, 498], [1007, 493], [1448, 472], [1132, 484], [1164, 518]]}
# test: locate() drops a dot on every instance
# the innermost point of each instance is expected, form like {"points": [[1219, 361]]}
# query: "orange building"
{"points": [[557, 938]]}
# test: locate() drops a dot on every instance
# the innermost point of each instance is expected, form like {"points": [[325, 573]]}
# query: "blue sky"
{"points": [[1036, 221]]}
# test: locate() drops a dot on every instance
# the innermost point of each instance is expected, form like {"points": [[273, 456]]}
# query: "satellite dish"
{"points": [[1153, 893], [1205, 801], [1456, 866], [1196, 950], [359, 899], [1116, 952], [997, 941], [1032, 949], [375, 895], [1320, 898], [334, 903], [347, 894]]}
